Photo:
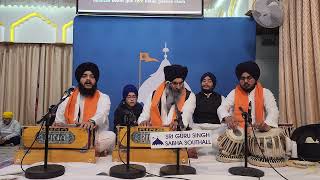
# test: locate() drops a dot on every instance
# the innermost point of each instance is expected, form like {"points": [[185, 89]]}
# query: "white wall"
{"points": [[267, 57], [1, 33], [36, 29], [44, 32]]}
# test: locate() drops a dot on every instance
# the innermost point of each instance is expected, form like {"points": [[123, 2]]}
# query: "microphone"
{"points": [[179, 119], [67, 92], [240, 108], [130, 118], [249, 109], [249, 113], [243, 113]]}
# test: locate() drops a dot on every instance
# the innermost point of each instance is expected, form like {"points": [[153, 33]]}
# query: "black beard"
{"points": [[249, 90], [207, 91], [87, 92]]}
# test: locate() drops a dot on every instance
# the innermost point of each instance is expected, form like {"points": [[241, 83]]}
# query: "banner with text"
{"points": [[181, 139], [148, 7]]}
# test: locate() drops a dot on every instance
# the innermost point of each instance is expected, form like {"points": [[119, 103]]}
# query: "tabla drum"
{"points": [[231, 146], [267, 147]]}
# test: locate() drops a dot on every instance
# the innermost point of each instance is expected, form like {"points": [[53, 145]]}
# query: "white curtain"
{"points": [[33, 76]]}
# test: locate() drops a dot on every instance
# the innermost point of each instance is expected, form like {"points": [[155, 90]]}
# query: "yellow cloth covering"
{"points": [[7, 115]]}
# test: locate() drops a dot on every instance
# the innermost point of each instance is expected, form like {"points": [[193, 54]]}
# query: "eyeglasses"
{"points": [[177, 83]]}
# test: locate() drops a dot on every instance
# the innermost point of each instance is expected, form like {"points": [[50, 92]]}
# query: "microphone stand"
{"points": [[47, 171], [177, 169], [240, 170], [128, 171]]}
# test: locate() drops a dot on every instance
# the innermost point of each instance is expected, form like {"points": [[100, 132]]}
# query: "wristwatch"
{"points": [[92, 121]]}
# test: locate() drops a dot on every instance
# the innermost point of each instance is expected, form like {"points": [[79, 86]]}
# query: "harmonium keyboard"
{"points": [[66, 144], [140, 148]]}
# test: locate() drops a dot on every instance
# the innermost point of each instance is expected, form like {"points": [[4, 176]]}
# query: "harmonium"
{"points": [[66, 144], [140, 148]]}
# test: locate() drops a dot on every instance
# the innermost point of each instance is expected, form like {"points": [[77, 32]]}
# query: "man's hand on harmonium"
{"points": [[145, 123], [173, 126], [90, 125]]}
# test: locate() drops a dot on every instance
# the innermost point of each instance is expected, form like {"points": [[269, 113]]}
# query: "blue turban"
{"points": [[211, 76], [127, 89]]}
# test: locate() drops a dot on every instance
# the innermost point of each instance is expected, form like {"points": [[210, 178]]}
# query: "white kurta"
{"points": [[187, 110], [270, 107], [216, 130], [11, 130], [105, 139]]}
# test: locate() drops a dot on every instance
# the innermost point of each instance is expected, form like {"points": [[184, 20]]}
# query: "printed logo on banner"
{"points": [[157, 142], [181, 139]]}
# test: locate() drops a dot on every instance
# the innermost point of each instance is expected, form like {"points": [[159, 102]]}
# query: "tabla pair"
{"points": [[272, 144]]}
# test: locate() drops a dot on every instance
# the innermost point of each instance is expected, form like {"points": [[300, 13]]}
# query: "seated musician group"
{"points": [[89, 107]]}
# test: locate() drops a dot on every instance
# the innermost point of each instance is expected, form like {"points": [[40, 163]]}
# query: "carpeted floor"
{"points": [[7, 155]]}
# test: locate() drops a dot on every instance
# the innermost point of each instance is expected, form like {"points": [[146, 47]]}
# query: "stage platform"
{"points": [[206, 165]]}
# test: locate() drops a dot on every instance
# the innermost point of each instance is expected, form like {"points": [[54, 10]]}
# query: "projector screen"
{"points": [[141, 7]]}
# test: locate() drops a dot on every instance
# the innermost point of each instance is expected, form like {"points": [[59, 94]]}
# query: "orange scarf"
{"points": [[90, 106], [154, 111], [241, 100]]}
